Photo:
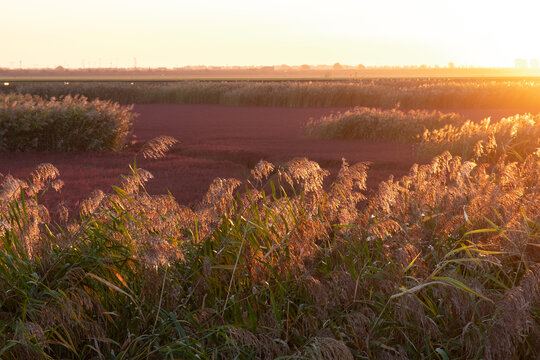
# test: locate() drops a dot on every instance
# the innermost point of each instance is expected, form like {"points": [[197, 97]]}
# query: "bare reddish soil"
{"points": [[217, 141]]}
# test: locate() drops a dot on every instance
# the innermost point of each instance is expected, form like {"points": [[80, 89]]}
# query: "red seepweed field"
{"points": [[218, 141]]}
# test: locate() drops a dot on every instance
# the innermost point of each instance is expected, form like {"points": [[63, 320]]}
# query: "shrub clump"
{"points": [[363, 123], [70, 123]]}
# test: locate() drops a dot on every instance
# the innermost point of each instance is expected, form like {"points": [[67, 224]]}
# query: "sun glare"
{"points": [[242, 33]]}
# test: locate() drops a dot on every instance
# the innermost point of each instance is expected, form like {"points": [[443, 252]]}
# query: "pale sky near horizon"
{"points": [[72, 33]]}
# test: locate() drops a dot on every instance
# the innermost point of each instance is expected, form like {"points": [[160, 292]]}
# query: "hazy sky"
{"points": [[209, 32]]}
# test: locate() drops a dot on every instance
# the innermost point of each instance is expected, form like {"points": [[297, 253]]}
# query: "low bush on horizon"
{"points": [[442, 263], [516, 135], [66, 124], [408, 93], [378, 124]]}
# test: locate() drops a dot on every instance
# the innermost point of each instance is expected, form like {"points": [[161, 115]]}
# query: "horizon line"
{"points": [[335, 66]]}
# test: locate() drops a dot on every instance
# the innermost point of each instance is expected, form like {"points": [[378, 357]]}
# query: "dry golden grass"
{"points": [[517, 135], [442, 262], [380, 125]]}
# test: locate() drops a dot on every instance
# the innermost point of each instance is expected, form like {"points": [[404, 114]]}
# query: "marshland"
{"points": [[381, 218]]}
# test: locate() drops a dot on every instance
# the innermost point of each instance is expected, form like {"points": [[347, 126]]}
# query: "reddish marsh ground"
{"points": [[218, 141]]}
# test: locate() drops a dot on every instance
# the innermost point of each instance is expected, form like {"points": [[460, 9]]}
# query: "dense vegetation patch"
{"points": [[66, 124], [435, 132], [442, 263], [515, 135], [376, 124], [385, 93]]}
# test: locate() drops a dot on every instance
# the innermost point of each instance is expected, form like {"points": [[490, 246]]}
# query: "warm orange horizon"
{"points": [[179, 33]]}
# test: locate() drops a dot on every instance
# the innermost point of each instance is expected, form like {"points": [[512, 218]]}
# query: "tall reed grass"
{"points": [[385, 93], [66, 124], [442, 263], [517, 135], [435, 132], [376, 124]]}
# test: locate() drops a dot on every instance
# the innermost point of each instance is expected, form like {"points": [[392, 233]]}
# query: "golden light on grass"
{"points": [[158, 147], [236, 244], [443, 260]]}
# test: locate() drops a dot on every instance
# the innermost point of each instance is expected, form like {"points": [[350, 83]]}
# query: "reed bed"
{"points": [[435, 132], [442, 263], [384, 93], [380, 125], [517, 135], [29, 122]]}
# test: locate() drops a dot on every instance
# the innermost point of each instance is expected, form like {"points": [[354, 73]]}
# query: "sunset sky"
{"points": [[72, 33]]}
